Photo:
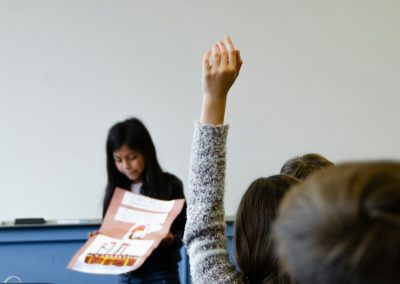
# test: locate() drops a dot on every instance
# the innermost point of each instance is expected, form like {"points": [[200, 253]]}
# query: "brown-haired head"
{"points": [[302, 166], [257, 211], [343, 226]]}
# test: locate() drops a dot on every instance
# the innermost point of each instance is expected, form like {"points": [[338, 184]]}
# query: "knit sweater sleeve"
{"points": [[204, 236]]}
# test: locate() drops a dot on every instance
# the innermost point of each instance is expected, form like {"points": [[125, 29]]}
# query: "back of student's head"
{"points": [[343, 226], [257, 211], [303, 166]]}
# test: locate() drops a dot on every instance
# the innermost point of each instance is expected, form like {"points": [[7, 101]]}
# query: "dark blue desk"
{"points": [[40, 253]]}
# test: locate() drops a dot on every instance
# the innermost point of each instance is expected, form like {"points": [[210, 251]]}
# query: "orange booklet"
{"points": [[133, 227]]}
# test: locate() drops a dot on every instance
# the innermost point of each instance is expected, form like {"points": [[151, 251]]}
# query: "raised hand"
{"points": [[221, 67]]}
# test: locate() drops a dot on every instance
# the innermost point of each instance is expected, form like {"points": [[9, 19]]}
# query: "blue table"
{"points": [[40, 253]]}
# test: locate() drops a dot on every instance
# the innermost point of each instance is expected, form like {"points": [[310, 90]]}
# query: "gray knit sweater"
{"points": [[204, 235]]}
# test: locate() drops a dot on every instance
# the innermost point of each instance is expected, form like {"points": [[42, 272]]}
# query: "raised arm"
{"points": [[204, 235], [221, 67]]}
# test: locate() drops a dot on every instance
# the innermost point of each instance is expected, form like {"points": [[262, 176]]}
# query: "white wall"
{"points": [[318, 76]]}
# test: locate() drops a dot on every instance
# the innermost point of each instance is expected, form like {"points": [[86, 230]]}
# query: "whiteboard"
{"points": [[318, 76]]}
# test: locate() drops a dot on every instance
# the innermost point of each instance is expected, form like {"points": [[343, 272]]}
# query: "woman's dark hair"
{"points": [[255, 253], [302, 166], [133, 133], [343, 226]]}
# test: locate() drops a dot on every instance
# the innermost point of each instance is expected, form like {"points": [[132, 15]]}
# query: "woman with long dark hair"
{"points": [[132, 165]]}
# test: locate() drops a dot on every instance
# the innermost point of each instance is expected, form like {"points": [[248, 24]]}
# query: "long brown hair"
{"points": [[343, 226], [257, 210]]}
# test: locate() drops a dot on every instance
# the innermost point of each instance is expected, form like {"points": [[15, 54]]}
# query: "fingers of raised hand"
{"points": [[224, 56], [206, 62], [232, 54], [216, 58]]}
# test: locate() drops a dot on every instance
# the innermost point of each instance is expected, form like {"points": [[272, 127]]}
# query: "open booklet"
{"points": [[133, 227]]}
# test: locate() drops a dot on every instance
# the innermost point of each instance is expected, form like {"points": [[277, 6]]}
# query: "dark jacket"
{"points": [[167, 257]]}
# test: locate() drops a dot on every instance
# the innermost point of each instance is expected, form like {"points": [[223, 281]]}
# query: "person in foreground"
{"points": [[204, 235], [343, 226], [132, 164]]}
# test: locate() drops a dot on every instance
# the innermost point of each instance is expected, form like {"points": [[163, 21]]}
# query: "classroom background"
{"points": [[318, 76]]}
